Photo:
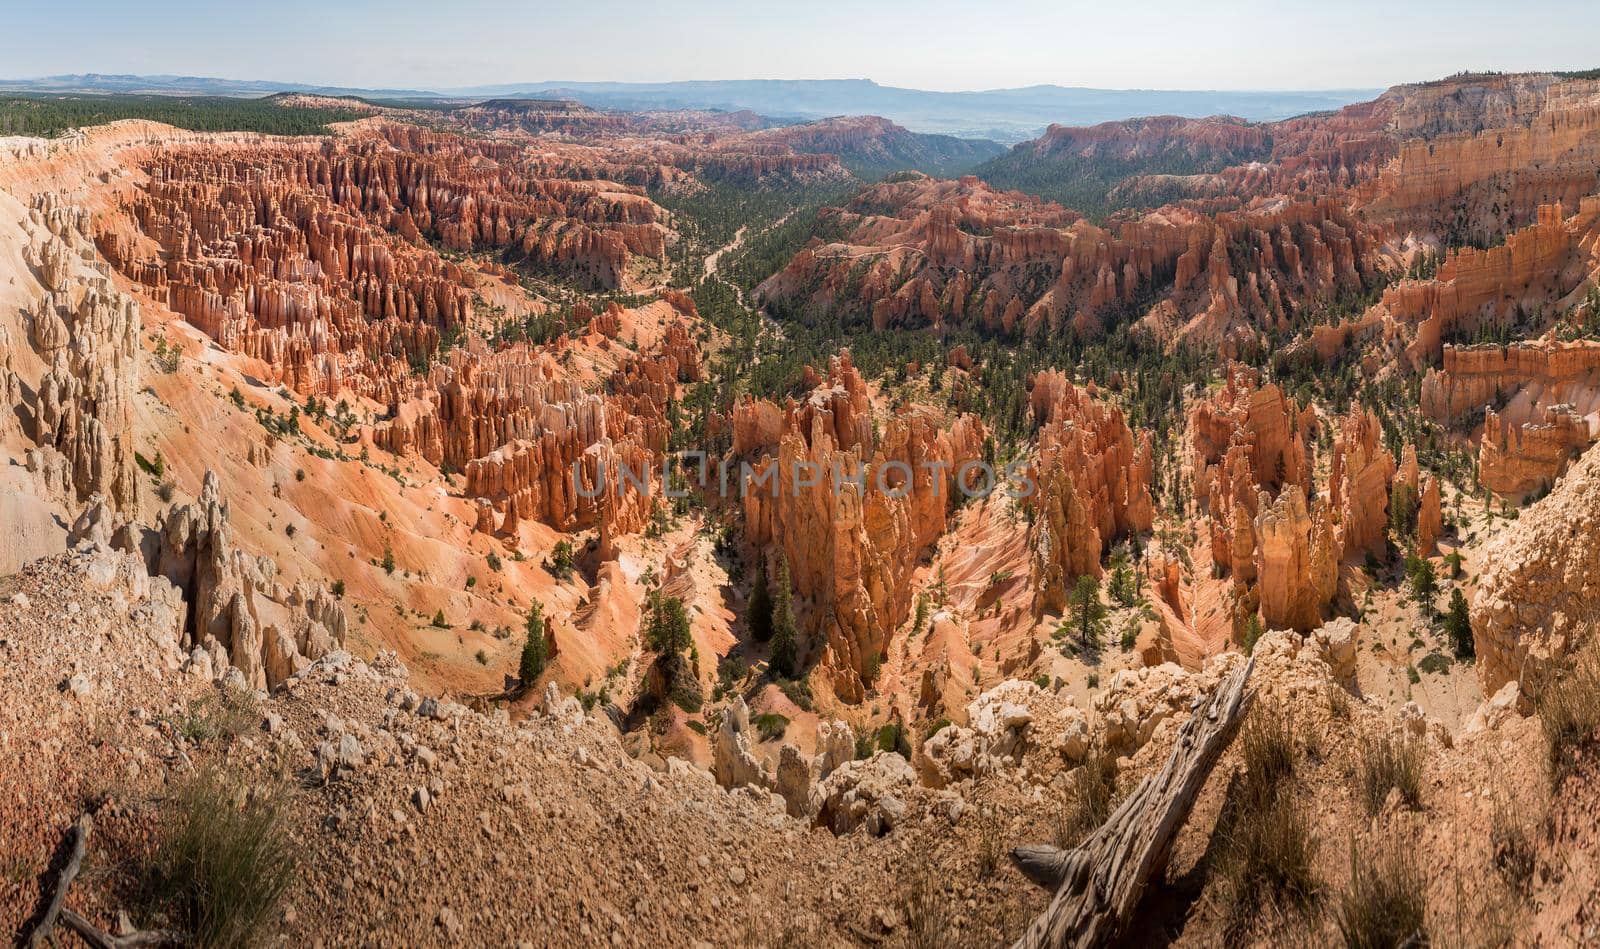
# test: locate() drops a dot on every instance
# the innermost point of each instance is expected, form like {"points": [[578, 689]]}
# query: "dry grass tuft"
{"points": [[927, 915], [1514, 851], [224, 860], [1386, 902], [1266, 852], [1389, 762], [1088, 804], [1569, 713]]}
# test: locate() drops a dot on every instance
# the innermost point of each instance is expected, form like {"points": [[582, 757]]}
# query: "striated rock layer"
{"points": [[1540, 402], [1092, 486], [850, 511]]}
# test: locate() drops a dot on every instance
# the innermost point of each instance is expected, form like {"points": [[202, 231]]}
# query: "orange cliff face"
{"points": [[1091, 478], [1271, 526], [1540, 402], [1252, 467], [849, 510], [926, 252]]}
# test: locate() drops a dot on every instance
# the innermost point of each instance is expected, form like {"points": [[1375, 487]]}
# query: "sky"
{"points": [[925, 44]]}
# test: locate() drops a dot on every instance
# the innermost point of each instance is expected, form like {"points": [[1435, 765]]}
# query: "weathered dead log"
{"points": [[80, 843], [1099, 882]]}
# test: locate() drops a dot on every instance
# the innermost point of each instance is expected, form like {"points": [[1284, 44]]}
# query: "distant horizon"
{"points": [[450, 91], [927, 45]]}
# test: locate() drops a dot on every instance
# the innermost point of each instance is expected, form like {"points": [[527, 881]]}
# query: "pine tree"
{"points": [[1458, 625], [1088, 612], [758, 612], [667, 627], [785, 660], [534, 651], [1424, 583], [1124, 586]]}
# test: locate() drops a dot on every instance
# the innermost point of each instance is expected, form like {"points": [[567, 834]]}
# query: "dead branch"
{"points": [[1099, 882], [80, 843], [91, 934], [98, 938]]}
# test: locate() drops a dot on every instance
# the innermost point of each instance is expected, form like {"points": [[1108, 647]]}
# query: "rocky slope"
{"points": [[423, 821], [1536, 604]]}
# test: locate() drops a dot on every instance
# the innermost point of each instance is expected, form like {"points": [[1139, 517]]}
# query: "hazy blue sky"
{"points": [[930, 44]]}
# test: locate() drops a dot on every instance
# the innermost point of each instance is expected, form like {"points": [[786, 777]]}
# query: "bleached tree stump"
{"points": [[1099, 882]]}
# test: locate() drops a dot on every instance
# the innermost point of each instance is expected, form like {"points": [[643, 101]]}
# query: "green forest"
{"points": [[48, 116]]}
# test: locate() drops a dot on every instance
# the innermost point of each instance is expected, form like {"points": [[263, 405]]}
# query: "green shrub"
{"points": [[1123, 585], [223, 860], [666, 623], [1423, 582], [869, 676], [798, 691], [562, 560], [1458, 625], [771, 725], [1252, 633], [892, 737]]}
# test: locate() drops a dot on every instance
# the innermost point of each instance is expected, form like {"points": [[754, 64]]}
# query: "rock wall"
{"points": [[86, 334], [1092, 479], [851, 539], [1541, 403], [1517, 460], [239, 613], [1538, 598], [1540, 268]]}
